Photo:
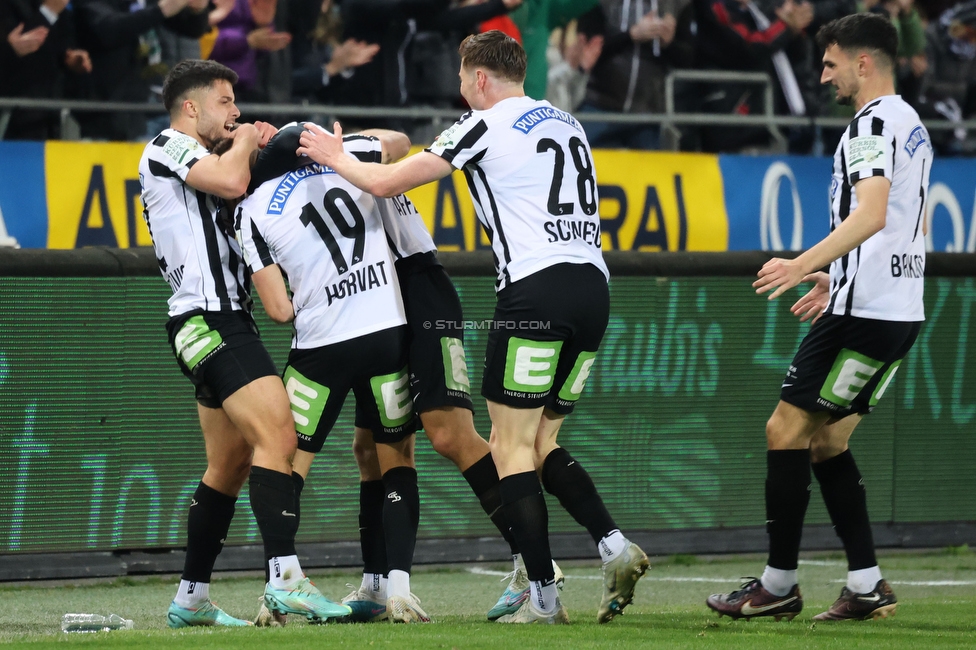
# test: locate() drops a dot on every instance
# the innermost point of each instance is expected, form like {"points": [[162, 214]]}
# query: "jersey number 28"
{"points": [[585, 182]]}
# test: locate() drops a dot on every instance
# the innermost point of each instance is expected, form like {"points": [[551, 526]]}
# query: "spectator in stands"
{"points": [[572, 54], [535, 21], [34, 58], [323, 61], [826, 10], [245, 31], [639, 51], [433, 59], [391, 24], [123, 41], [911, 44], [949, 88], [736, 35]]}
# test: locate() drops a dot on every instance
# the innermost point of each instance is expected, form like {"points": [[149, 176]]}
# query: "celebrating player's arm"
{"points": [[226, 174], [865, 220], [395, 145], [385, 181], [872, 183]]}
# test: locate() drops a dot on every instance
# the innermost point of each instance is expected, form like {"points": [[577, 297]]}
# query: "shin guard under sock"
{"points": [[401, 516], [525, 510]]}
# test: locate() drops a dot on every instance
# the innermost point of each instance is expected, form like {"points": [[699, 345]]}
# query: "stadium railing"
{"points": [[440, 118]]}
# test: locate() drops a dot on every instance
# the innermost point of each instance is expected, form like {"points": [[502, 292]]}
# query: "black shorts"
{"points": [[219, 351], [373, 366], [845, 364], [544, 338], [438, 365]]}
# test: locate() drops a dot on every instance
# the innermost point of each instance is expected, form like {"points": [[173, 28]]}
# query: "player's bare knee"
{"points": [[824, 448], [444, 441], [364, 453], [778, 435]]}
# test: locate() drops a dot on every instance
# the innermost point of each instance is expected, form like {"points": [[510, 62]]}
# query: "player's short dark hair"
{"points": [[192, 74], [495, 51], [867, 31]]}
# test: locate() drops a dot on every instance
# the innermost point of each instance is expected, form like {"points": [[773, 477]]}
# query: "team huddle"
{"points": [[318, 222]]}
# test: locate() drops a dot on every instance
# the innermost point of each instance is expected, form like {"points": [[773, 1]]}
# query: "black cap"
{"points": [[278, 157]]}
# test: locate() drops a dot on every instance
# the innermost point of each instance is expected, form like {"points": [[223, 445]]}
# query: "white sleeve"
{"points": [[174, 154], [364, 147], [257, 253], [462, 141], [869, 149]]}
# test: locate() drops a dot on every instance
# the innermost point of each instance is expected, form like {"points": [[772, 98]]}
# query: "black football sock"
{"points": [[843, 493], [206, 529], [401, 515], [787, 496], [483, 479], [525, 510], [565, 479], [372, 538], [273, 503]]}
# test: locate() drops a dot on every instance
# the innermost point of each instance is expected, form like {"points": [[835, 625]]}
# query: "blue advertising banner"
{"points": [[23, 200], [73, 194], [782, 202]]}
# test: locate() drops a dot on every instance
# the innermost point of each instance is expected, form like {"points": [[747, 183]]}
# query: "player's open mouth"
{"points": [[231, 126]]}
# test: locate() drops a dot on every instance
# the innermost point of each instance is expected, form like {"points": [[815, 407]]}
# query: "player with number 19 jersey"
{"points": [[531, 176], [328, 237]]}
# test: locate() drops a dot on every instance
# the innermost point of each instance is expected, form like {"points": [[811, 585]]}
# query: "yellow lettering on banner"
{"points": [[649, 201], [93, 195]]}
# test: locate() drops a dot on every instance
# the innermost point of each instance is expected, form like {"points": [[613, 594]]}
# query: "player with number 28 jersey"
{"points": [[531, 176]]}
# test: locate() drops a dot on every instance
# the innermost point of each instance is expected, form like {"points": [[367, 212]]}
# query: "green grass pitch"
{"points": [[936, 591]]}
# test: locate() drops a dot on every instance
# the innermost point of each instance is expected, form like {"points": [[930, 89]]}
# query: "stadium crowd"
{"points": [[583, 56]]}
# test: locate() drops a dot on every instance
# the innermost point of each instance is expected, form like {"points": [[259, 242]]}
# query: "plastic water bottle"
{"points": [[94, 623]]}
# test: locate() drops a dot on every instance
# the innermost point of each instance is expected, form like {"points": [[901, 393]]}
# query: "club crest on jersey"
{"points": [[915, 140], [288, 184], [528, 121]]}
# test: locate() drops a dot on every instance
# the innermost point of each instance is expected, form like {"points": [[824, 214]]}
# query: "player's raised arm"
{"points": [[228, 174], [395, 144], [385, 181]]}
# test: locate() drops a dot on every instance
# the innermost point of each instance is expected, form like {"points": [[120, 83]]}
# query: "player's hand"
{"points": [[77, 61], [814, 302], [25, 43], [267, 131], [778, 275], [320, 145], [247, 135]]}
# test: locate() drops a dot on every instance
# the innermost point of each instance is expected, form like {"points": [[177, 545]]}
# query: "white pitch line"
{"points": [[909, 583]]}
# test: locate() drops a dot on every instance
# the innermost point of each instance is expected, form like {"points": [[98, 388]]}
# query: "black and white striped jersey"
{"points": [[195, 247], [882, 278], [327, 236], [531, 177], [406, 232]]}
